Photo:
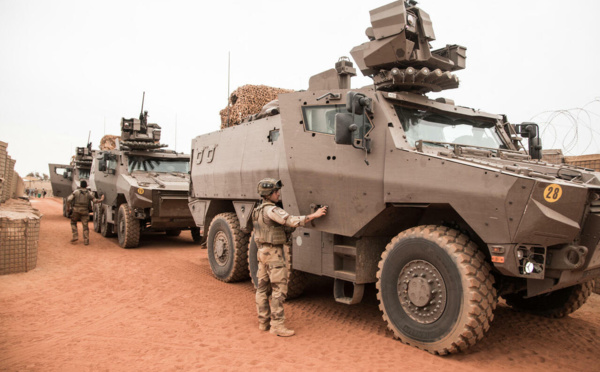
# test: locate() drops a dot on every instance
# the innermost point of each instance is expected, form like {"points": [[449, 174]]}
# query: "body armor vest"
{"points": [[265, 229], [80, 199]]}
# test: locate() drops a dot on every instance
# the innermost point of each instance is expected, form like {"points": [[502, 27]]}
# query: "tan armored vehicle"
{"points": [[145, 186], [66, 178], [437, 204]]}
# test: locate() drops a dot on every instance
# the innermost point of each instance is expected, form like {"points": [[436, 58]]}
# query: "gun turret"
{"points": [[138, 134], [398, 55]]}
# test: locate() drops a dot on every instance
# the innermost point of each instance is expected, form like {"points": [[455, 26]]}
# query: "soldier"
{"points": [[80, 201], [270, 226]]}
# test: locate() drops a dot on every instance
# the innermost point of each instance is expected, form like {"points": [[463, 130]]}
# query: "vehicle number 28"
{"points": [[552, 193]]}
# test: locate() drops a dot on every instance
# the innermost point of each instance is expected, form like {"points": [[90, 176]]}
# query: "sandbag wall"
{"points": [[584, 161], [7, 169], [19, 236]]}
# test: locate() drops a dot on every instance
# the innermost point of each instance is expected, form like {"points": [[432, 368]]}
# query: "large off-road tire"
{"points": [[106, 228], [557, 304], [227, 248], [175, 232], [296, 279], [436, 289], [96, 217], [129, 228], [197, 237]]}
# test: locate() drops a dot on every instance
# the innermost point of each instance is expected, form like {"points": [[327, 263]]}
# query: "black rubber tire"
{"points": [[197, 237], [106, 228], [227, 248], [129, 228], [470, 298], [175, 232], [596, 286], [296, 279], [96, 217], [557, 304]]}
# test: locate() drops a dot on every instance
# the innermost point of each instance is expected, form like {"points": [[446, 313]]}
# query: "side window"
{"points": [[321, 119], [63, 172]]}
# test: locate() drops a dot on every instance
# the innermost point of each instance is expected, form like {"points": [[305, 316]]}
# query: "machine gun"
{"points": [[398, 55]]}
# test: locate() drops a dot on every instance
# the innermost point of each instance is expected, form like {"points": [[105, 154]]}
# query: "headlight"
{"points": [[411, 20]]}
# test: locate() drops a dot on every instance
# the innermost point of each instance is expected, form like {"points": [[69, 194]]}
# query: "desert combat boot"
{"points": [[282, 331], [264, 326]]}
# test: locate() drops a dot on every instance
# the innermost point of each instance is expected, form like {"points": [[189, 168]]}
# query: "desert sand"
{"points": [[159, 308]]}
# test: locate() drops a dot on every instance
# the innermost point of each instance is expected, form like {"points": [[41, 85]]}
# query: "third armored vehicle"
{"points": [[145, 187], [438, 204], [66, 178]]}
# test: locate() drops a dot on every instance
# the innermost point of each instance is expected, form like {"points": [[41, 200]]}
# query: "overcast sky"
{"points": [[74, 66]]}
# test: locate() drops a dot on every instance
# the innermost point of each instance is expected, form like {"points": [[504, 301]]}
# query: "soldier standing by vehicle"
{"points": [[80, 201], [270, 234]]}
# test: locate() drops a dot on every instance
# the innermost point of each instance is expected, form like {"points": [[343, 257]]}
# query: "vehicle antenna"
{"points": [[228, 85], [142, 110]]}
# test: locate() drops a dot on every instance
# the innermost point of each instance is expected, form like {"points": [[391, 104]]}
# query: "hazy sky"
{"points": [[71, 67]]}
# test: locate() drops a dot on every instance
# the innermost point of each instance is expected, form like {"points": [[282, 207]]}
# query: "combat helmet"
{"points": [[267, 186]]}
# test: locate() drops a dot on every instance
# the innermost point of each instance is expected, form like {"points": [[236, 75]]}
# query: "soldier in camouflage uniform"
{"points": [[271, 227], [80, 201]]}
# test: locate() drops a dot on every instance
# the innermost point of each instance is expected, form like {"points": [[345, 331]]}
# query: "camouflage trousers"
{"points": [[272, 277], [83, 216]]}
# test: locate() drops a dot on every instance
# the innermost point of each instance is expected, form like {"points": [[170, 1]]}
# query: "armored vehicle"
{"points": [[145, 186], [440, 205], [66, 178]]}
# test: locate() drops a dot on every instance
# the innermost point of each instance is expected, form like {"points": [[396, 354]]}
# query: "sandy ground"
{"points": [[158, 308]]}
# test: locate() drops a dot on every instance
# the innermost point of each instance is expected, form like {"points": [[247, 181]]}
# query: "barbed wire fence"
{"points": [[575, 131]]}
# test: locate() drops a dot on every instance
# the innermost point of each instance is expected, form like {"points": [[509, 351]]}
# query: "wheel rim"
{"points": [[122, 227], [221, 248], [422, 291]]}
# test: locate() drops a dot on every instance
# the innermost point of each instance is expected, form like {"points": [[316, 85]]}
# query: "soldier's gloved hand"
{"points": [[318, 213]]}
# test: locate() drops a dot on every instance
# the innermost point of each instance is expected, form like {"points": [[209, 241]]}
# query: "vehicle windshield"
{"points": [[84, 174], [435, 127], [146, 164]]}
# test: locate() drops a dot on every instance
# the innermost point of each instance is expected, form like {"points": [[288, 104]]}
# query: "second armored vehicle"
{"points": [[145, 187]]}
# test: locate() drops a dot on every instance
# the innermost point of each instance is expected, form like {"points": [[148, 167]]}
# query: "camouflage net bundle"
{"points": [[19, 235], [108, 142], [247, 100]]}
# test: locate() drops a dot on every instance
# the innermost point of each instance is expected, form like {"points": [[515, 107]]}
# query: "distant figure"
{"points": [[43, 193], [80, 203]]}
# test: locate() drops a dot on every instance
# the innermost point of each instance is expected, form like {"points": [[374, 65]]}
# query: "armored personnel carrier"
{"points": [[66, 178], [443, 207], [145, 186]]}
